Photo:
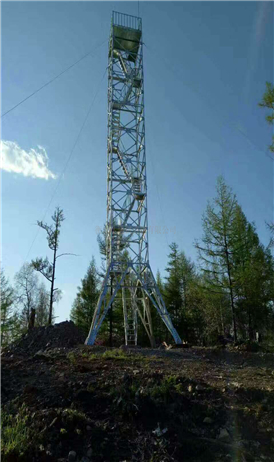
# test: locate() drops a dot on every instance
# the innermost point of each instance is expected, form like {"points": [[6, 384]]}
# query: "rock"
{"points": [[72, 456], [89, 452], [224, 435], [207, 420]]}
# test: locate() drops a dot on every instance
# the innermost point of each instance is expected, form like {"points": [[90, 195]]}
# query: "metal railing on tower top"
{"points": [[126, 20]]}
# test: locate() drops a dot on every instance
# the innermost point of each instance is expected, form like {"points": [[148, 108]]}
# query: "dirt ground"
{"points": [[93, 404]]}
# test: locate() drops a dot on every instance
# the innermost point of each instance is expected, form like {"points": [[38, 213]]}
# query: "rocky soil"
{"points": [[93, 404]]}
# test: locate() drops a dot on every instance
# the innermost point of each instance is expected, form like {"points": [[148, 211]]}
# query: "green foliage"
{"points": [[237, 270], [73, 415], [172, 292], [117, 354], [164, 390], [42, 265], [15, 433], [230, 293], [86, 299], [42, 306], [129, 397], [125, 398], [53, 231], [9, 319], [268, 103], [218, 241], [72, 357], [253, 273], [180, 293]]}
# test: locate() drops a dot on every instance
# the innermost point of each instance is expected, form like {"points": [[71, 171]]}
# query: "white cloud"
{"points": [[33, 163]]}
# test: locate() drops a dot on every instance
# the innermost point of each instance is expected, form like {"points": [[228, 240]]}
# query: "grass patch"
{"points": [[15, 432], [72, 357], [120, 355], [73, 415], [130, 396], [165, 388]]}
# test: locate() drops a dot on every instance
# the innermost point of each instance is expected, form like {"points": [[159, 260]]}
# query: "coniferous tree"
{"points": [[213, 311], [253, 272], [42, 265], [216, 250], [114, 319], [173, 295], [268, 102], [187, 277], [86, 299]]}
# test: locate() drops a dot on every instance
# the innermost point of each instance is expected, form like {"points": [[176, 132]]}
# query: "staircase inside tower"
{"points": [[131, 80]]}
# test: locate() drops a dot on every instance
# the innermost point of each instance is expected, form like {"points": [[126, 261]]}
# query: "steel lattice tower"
{"points": [[128, 273]]}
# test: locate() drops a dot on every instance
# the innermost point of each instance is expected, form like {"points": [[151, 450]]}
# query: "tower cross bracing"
{"points": [[128, 277]]}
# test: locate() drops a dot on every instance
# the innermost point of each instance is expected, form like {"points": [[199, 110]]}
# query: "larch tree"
{"points": [[43, 265], [253, 274], [216, 248], [268, 103]]}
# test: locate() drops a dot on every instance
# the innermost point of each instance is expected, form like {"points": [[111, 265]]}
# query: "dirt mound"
{"points": [[62, 335]]}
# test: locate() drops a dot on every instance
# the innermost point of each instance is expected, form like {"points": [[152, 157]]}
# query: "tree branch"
{"points": [[62, 254]]}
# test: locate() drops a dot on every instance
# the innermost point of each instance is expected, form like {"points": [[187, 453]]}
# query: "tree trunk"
{"points": [[32, 318], [52, 286], [231, 295], [249, 325]]}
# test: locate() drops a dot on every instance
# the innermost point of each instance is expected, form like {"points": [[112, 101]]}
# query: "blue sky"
{"points": [[206, 65]]}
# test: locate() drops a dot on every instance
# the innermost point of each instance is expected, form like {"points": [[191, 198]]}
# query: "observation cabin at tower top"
{"points": [[127, 31]]}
